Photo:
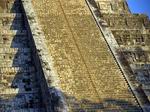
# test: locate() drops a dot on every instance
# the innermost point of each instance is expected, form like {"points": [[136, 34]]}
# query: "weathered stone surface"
{"points": [[130, 33], [53, 57], [88, 74], [19, 87]]}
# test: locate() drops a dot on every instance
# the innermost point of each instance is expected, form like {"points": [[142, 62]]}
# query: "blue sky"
{"points": [[139, 6]]}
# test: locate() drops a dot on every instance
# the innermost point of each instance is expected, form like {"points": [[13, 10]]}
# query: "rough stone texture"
{"points": [[89, 77], [56, 57], [19, 87], [51, 95], [128, 37]]}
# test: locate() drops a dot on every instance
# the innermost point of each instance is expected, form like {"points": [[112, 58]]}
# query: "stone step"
{"points": [[121, 21], [14, 44], [13, 32], [19, 78], [11, 15], [25, 110], [131, 38], [12, 41], [14, 50], [129, 35], [127, 15], [13, 24], [25, 75], [20, 96], [134, 49], [20, 101], [16, 63], [19, 81], [21, 89], [25, 63], [108, 109], [139, 67], [16, 69], [142, 62], [8, 91], [17, 38], [127, 32], [13, 19], [141, 17], [24, 44], [16, 57]]}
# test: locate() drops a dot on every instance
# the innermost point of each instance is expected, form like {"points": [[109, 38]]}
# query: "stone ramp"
{"points": [[89, 76]]}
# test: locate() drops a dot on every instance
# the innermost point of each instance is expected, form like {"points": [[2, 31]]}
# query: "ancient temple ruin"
{"points": [[73, 56]]}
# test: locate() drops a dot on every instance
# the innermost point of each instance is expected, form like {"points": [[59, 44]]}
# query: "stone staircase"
{"points": [[19, 89], [89, 75]]}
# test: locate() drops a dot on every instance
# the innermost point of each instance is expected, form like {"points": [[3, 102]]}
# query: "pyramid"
{"points": [[73, 56]]}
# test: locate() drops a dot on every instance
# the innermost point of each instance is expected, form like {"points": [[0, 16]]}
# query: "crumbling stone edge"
{"points": [[45, 62]]}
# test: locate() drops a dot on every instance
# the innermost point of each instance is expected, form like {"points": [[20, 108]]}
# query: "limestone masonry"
{"points": [[73, 56]]}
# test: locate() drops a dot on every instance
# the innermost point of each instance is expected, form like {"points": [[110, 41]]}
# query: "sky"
{"points": [[139, 6]]}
